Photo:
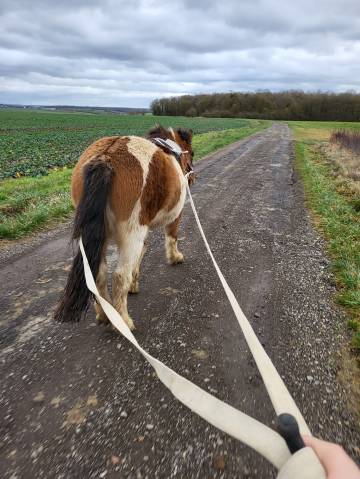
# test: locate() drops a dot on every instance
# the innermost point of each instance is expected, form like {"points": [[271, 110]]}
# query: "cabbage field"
{"points": [[32, 142]]}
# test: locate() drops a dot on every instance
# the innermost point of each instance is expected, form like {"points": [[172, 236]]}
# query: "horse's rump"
{"points": [[89, 223]]}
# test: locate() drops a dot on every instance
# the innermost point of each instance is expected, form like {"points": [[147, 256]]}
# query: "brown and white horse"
{"points": [[122, 186]]}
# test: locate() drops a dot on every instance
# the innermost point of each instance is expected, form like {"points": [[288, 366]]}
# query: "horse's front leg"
{"points": [[173, 255]]}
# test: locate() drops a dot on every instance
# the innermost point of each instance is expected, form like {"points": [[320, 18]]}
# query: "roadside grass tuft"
{"points": [[355, 327], [335, 216], [347, 139]]}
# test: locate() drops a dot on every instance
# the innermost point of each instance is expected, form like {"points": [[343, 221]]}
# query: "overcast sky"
{"points": [[115, 53]]}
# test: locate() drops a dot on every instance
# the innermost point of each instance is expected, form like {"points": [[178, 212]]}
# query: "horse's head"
{"points": [[183, 137]]}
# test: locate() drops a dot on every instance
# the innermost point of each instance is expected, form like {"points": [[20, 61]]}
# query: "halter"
{"points": [[170, 146]]}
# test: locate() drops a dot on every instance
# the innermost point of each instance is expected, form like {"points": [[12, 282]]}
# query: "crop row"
{"points": [[31, 143]]}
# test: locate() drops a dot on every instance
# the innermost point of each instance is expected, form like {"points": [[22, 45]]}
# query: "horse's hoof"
{"points": [[102, 319], [177, 258], [134, 289], [129, 322]]}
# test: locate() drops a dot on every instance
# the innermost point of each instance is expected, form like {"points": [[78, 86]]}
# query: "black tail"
{"points": [[89, 223]]}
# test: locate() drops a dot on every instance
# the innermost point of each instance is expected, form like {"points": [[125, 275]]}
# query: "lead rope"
{"points": [[280, 397], [303, 464]]}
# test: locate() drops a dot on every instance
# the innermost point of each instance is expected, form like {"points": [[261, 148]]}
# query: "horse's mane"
{"points": [[186, 134], [159, 131]]}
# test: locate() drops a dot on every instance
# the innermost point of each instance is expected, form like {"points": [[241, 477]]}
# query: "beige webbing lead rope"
{"points": [[303, 464], [281, 399], [221, 415]]}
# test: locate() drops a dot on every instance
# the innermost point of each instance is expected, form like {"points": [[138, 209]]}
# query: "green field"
{"points": [[333, 195], [31, 141], [38, 150]]}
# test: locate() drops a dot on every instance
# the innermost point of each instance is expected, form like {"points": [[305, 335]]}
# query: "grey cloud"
{"points": [[127, 53]]}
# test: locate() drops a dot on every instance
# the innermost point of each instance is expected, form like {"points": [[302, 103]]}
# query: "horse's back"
{"points": [[146, 181]]}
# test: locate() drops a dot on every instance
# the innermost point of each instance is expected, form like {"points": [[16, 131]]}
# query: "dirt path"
{"points": [[78, 401]]}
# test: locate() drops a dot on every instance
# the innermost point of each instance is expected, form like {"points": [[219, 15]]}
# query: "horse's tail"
{"points": [[89, 223]]}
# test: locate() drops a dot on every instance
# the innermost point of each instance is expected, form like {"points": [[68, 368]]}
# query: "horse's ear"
{"points": [[185, 134], [158, 131]]}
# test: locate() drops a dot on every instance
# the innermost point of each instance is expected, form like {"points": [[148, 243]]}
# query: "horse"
{"points": [[121, 187]]}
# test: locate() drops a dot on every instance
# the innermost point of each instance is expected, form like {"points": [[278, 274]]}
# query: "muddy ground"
{"points": [[77, 401]]}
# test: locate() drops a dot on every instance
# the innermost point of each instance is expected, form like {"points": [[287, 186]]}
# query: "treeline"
{"points": [[287, 105]]}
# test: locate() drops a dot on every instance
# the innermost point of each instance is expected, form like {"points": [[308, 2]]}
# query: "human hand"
{"points": [[336, 462]]}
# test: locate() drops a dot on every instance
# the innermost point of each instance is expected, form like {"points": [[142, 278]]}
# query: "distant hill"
{"points": [[83, 109]]}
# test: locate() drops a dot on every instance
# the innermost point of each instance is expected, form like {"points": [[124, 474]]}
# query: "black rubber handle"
{"points": [[289, 430]]}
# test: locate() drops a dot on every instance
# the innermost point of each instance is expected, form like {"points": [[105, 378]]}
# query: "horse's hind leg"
{"points": [[130, 249], [171, 234], [101, 284], [134, 287]]}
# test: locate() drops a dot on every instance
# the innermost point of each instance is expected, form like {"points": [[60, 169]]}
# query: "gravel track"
{"points": [[78, 401]]}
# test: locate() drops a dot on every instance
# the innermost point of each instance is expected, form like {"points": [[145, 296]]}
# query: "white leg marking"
{"points": [[134, 288], [101, 283], [130, 248], [172, 253]]}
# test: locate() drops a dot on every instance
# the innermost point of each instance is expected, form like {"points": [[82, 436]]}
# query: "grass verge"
{"points": [[28, 204], [336, 217], [207, 143]]}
